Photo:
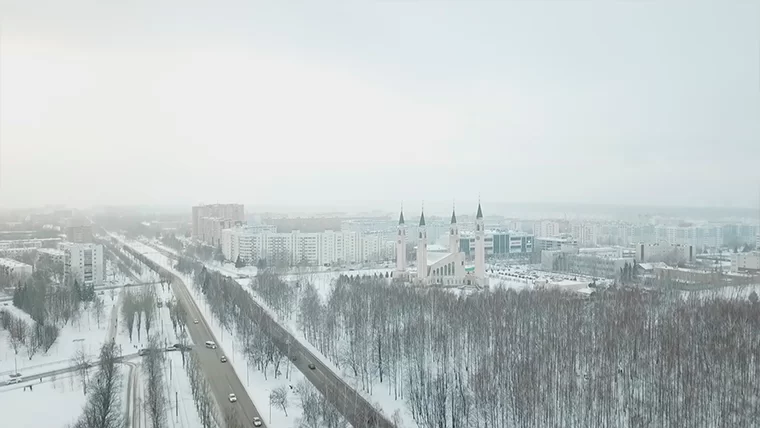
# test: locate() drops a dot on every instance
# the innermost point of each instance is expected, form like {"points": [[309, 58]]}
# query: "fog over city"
{"points": [[320, 103], [379, 214]]}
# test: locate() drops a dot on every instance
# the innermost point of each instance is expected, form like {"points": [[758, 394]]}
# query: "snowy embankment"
{"points": [[258, 384], [55, 402]]}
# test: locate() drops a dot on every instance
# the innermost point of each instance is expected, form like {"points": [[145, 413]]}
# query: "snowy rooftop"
{"points": [[435, 256], [13, 264]]}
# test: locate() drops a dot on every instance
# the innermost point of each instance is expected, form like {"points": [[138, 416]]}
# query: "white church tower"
{"points": [[401, 244], [453, 234], [480, 246], [422, 249]]}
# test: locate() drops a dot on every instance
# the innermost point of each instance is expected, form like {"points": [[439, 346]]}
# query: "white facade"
{"points": [[745, 262], [83, 263], [585, 233], [16, 269], [422, 259], [439, 265], [401, 245], [294, 248], [664, 252], [480, 245], [546, 228]]}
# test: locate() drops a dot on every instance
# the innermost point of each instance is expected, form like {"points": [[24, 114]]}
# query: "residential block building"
{"points": [[83, 263]]}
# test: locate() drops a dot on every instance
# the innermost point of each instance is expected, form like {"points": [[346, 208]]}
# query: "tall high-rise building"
{"points": [[83, 263], [81, 234], [210, 220]]}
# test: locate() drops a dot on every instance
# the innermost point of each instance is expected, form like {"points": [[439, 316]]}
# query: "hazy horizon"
{"points": [[300, 104]]}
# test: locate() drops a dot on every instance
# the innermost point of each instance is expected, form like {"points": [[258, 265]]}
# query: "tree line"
{"points": [[51, 306], [501, 358], [123, 260], [236, 311], [103, 408], [138, 309]]}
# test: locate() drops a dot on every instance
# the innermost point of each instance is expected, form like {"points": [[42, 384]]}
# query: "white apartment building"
{"points": [[662, 251], [21, 243], [210, 220], [585, 233], [83, 263], [554, 243], [746, 262], [315, 248], [15, 269], [55, 255], [546, 228]]}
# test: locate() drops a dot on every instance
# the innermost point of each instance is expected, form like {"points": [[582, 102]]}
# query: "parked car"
{"points": [[142, 352], [171, 348], [14, 381], [223, 359], [257, 421], [233, 398]]}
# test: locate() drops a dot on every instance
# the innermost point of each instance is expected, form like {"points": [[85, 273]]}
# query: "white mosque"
{"points": [[437, 268]]}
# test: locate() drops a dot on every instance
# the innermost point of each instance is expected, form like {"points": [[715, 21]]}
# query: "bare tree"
{"points": [[128, 311], [103, 409], [279, 398], [18, 334], [201, 392], [148, 304], [155, 402], [81, 361], [231, 419], [35, 339], [98, 309]]}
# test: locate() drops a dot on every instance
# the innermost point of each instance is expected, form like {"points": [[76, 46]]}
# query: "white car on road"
{"points": [[233, 398], [257, 421]]}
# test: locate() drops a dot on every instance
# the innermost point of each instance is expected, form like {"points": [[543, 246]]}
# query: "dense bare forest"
{"points": [[627, 358]]}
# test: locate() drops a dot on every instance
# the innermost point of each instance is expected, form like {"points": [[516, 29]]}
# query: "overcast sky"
{"points": [[321, 102]]}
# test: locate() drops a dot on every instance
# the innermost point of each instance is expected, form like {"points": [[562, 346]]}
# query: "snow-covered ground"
{"points": [[55, 402], [62, 396], [83, 333]]}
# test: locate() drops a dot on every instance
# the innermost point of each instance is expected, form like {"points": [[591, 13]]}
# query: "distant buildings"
{"points": [[83, 263], [21, 243], [499, 244], [262, 242], [554, 243], [602, 264], [210, 220], [80, 234], [546, 228], [54, 255]]}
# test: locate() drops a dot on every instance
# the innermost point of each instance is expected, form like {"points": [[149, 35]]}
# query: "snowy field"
{"points": [[53, 403], [86, 332]]}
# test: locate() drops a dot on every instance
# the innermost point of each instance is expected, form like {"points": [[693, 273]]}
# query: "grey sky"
{"points": [[639, 102]]}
